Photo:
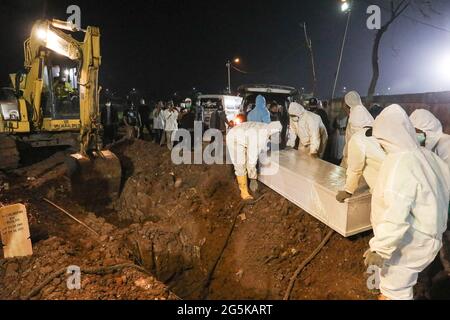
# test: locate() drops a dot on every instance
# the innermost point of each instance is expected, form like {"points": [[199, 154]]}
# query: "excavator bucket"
{"points": [[96, 179]]}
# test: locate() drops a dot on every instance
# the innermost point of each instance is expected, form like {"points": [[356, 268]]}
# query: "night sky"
{"points": [[161, 47]]}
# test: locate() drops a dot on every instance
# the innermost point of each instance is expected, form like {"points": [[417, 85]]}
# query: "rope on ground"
{"points": [[95, 271], [305, 263], [71, 216]]}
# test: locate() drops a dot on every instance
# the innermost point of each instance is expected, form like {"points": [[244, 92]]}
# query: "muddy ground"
{"points": [[181, 232]]}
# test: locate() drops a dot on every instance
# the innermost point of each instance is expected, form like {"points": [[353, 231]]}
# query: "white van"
{"points": [[231, 105]]}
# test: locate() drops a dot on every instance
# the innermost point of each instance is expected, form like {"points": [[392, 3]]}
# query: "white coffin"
{"points": [[312, 184]]}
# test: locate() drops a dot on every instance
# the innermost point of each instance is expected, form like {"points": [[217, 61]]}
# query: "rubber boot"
{"points": [[243, 186]]}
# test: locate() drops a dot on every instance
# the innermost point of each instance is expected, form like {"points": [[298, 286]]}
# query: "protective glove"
{"points": [[373, 259], [254, 185], [342, 196]]}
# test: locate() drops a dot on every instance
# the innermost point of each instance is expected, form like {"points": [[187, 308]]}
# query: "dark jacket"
{"points": [[109, 118], [144, 112], [323, 114], [219, 120], [187, 121]]}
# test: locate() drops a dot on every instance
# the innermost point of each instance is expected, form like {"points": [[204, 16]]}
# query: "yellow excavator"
{"points": [[57, 104]]}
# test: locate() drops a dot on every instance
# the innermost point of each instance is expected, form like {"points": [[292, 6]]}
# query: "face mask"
{"points": [[422, 138]]}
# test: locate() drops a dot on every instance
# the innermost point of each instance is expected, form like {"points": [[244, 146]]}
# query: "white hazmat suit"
{"points": [[158, 119], [437, 141], [245, 143], [409, 205], [365, 157], [359, 118], [170, 125], [309, 128]]}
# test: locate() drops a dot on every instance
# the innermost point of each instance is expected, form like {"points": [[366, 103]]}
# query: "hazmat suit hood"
{"points": [[296, 109], [260, 113], [395, 131], [353, 99], [360, 117], [426, 121], [261, 103]]}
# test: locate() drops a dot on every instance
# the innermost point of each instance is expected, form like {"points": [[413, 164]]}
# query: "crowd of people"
{"points": [[160, 122]]}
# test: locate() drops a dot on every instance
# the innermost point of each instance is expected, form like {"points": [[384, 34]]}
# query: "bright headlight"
{"points": [[42, 34]]}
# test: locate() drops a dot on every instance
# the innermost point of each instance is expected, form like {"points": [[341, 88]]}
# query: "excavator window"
{"points": [[61, 97]]}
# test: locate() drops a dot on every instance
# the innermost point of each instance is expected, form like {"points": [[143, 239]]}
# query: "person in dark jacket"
{"points": [[132, 121], [186, 121], [315, 107], [219, 119], [110, 121], [144, 113], [375, 110], [275, 114]]}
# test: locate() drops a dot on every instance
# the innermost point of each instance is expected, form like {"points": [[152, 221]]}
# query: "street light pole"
{"points": [[229, 76], [311, 54], [349, 14]]}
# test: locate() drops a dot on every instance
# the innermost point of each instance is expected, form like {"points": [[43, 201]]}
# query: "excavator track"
{"points": [[9, 154]]}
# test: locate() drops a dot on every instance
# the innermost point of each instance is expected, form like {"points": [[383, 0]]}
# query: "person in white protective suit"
{"points": [[409, 206], [309, 128], [365, 157], [435, 139], [245, 143], [170, 124], [359, 118]]}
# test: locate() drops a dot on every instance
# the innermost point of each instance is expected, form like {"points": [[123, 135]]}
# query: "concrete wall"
{"points": [[436, 102]]}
